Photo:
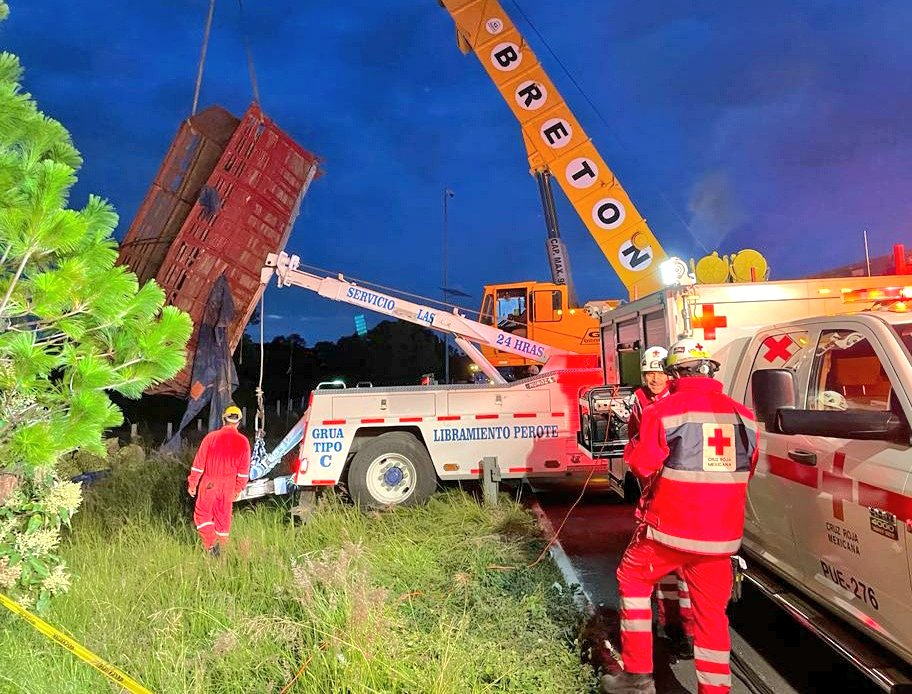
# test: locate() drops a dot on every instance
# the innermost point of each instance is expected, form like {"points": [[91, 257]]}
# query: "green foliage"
{"points": [[406, 601], [30, 521], [73, 325]]}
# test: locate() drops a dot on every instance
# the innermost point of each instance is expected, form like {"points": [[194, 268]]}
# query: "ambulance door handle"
{"points": [[803, 457]]}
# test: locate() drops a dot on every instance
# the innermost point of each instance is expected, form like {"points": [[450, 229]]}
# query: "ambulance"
{"points": [[826, 365]]}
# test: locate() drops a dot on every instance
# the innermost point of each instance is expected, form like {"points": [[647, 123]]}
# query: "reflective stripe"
{"points": [[702, 476], [676, 420], [221, 534], [702, 546], [636, 625], [196, 469], [710, 655], [685, 602], [714, 679], [667, 594], [203, 525], [242, 474], [636, 604], [682, 585]]}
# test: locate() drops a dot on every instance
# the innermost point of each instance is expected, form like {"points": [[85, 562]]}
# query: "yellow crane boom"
{"points": [[557, 142]]}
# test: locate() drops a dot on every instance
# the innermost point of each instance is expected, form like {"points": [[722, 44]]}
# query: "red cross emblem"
{"points": [[778, 349], [719, 442], [837, 485], [656, 353], [709, 321]]}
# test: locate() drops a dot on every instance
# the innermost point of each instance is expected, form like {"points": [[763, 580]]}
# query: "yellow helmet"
{"points": [[232, 413], [688, 352]]}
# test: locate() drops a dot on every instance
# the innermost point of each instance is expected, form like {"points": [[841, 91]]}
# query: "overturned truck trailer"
{"points": [[225, 197]]}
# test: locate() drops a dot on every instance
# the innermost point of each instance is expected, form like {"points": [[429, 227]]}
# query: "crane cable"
{"points": [[202, 60], [259, 453], [251, 70]]}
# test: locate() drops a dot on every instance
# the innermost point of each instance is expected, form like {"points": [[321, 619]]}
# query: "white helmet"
{"points": [[654, 359], [690, 352], [831, 400]]}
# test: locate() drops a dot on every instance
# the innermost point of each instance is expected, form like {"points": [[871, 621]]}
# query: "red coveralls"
{"points": [[672, 596], [220, 471], [705, 446]]}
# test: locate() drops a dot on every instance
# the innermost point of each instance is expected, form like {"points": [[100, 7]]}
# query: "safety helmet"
{"points": [[654, 359], [690, 354], [232, 414], [831, 400]]}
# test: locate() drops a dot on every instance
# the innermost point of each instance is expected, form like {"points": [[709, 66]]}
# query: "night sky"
{"points": [[780, 125]]}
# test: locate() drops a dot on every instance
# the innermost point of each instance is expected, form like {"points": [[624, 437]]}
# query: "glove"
{"points": [[191, 491]]}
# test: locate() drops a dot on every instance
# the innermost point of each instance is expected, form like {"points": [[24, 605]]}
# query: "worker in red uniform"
{"points": [[672, 596], [219, 472], [704, 445]]}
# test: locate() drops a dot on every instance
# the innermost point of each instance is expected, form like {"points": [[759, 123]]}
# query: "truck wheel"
{"points": [[632, 489], [393, 469]]}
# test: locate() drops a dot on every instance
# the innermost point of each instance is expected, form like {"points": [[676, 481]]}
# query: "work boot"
{"points": [[215, 551], [682, 647], [628, 683]]}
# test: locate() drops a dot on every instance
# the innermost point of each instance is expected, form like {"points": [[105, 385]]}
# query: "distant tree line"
{"points": [[393, 353]]}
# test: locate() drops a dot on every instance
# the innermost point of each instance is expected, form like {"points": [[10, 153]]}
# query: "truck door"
{"points": [[853, 551], [773, 492]]}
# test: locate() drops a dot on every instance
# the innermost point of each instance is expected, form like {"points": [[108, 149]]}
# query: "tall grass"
{"points": [[403, 601]]}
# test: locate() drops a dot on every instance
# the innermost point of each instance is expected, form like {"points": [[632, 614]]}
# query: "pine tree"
{"points": [[73, 326]]}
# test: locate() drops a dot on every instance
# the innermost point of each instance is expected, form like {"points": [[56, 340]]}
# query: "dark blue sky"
{"points": [[780, 125]]}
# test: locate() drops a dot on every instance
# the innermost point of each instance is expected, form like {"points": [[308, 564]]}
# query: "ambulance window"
{"points": [[904, 330], [847, 374], [779, 351]]}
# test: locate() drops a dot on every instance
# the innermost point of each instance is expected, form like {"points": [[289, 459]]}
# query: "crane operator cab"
{"points": [[537, 311]]}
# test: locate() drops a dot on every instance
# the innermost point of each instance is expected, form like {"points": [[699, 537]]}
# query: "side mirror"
{"points": [[772, 390], [862, 425]]}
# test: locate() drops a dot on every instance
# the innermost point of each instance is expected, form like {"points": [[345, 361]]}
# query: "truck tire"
{"points": [[393, 469]]}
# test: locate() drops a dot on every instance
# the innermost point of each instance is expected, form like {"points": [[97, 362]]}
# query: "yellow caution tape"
{"points": [[81, 652]]}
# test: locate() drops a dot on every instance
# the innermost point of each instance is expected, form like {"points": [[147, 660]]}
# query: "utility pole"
{"points": [[447, 194]]}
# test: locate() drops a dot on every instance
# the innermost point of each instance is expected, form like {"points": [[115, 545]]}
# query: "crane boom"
{"points": [[557, 142], [467, 331]]}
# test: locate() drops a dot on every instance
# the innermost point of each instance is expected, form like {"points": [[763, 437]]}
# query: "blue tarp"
{"points": [[214, 377]]}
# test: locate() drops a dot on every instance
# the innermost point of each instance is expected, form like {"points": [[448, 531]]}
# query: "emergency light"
{"points": [[891, 298]]}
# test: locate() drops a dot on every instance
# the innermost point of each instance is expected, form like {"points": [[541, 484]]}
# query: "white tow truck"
{"points": [[393, 445]]}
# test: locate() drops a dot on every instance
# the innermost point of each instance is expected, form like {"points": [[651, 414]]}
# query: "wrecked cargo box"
{"points": [[226, 196]]}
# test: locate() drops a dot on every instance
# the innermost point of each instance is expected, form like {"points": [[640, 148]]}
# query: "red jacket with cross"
{"points": [[705, 446]]}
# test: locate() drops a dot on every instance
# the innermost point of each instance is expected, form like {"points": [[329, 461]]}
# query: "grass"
{"points": [[402, 601]]}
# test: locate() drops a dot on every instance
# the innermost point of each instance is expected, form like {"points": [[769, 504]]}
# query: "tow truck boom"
{"points": [[465, 330]]}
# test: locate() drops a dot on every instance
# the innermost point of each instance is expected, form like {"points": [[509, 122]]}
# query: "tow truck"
{"points": [[392, 445]]}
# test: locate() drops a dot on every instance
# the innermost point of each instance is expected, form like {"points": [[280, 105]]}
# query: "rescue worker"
{"points": [[672, 597], [219, 472], [703, 444]]}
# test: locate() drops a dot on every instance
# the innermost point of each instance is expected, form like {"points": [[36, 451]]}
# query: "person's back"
{"points": [[223, 449], [707, 442]]}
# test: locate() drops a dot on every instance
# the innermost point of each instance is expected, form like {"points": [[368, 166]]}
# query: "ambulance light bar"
{"points": [[891, 298]]}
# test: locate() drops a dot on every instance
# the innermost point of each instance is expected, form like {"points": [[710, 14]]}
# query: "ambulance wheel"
{"points": [[632, 489], [393, 469]]}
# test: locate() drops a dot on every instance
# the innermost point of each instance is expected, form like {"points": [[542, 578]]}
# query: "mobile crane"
{"points": [[557, 146]]}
